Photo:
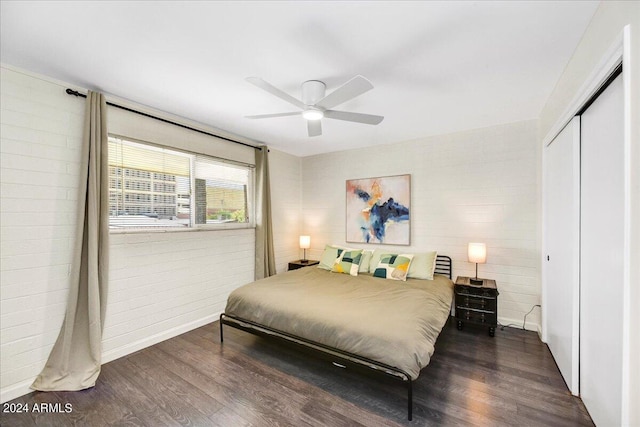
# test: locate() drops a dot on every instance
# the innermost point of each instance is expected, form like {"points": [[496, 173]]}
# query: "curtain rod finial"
{"points": [[73, 92]]}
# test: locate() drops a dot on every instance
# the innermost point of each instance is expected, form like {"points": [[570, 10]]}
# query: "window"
{"points": [[153, 187]]}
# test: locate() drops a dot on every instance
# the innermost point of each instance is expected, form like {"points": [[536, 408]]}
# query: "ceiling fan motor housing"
{"points": [[312, 91]]}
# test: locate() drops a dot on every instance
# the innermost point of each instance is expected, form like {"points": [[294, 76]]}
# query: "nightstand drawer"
{"points": [[477, 292], [476, 302], [476, 315]]}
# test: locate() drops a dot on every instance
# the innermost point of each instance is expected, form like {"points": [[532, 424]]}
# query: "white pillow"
{"points": [[365, 261]]}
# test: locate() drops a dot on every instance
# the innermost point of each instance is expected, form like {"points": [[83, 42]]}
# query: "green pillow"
{"points": [[348, 262], [329, 257], [422, 266], [394, 267]]}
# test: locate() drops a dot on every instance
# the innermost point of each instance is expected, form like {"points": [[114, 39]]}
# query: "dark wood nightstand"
{"points": [[476, 304], [294, 265]]}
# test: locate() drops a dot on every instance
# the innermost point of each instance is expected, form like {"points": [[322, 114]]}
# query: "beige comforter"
{"points": [[388, 321]]}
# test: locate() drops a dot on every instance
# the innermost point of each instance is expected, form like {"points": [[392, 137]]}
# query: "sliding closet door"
{"points": [[601, 251], [561, 189]]}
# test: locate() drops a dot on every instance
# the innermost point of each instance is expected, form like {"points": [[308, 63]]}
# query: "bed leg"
{"points": [[221, 334], [410, 399]]}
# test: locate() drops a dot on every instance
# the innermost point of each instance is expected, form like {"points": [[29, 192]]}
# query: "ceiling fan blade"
{"points": [[354, 87], [314, 127], [268, 116], [257, 81], [368, 119]]}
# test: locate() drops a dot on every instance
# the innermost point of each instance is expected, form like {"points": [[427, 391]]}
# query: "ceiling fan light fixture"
{"points": [[312, 114]]}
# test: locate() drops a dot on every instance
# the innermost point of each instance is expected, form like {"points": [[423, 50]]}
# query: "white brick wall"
{"points": [[161, 284], [480, 185], [40, 135], [285, 201]]}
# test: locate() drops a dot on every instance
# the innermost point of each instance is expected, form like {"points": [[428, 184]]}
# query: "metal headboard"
{"points": [[443, 266]]}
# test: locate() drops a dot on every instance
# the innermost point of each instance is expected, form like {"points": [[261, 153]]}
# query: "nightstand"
{"points": [[294, 265], [476, 304]]}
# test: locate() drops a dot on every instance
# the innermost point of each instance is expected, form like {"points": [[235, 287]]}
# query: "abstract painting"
{"points": [[378, 210]]}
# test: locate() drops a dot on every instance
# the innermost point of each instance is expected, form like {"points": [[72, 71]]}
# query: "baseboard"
{"points": [[517, 323], [540, 332], [16, 390], [119, 352]]}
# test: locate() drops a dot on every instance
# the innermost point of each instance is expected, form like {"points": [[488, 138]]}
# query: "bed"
{"points": [[358, 321]]}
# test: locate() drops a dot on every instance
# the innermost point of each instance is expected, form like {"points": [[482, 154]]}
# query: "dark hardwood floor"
{"points": [[192, 380]]}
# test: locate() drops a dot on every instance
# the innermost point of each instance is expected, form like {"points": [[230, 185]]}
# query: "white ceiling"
{"points": [[437, 67]]}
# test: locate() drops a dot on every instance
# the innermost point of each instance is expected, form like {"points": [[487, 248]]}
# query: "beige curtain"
{"points": [[265, 261], [74, 362]]}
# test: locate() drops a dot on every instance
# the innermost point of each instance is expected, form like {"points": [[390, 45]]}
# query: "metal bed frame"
{"points": [[345, 359]]}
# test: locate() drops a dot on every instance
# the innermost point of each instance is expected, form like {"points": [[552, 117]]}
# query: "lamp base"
{"points": [[476, 282]]}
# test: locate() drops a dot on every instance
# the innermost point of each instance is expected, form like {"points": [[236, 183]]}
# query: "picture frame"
{"points": [[378, 210]]}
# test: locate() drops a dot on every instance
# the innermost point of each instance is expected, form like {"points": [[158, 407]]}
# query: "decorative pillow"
{"points": [[366, 260], [329, 257], [375, 259], [394, 267], [348, 262], [423, 265]]}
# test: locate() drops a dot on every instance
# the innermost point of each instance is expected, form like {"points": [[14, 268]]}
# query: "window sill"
{"points": [[219, 227]]}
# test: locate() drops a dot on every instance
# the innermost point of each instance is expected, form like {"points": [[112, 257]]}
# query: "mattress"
{"points": [[391, 322]]}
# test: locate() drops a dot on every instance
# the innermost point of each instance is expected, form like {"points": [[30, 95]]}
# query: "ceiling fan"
{"points": [[315, 105]]}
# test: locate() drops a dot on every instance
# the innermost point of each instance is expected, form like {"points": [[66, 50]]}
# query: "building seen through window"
{"points": [[157, 187]]}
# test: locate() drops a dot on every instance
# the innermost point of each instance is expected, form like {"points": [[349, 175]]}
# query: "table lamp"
{"points": [[477, 252], [305, 243]]}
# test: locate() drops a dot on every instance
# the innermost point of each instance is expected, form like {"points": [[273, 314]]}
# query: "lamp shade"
{"points": [[477, 252], [305, 242]]}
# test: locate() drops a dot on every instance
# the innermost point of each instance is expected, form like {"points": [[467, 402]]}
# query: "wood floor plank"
{"points": [[146, 407], [270, 395], [535, 417], [97, 406], [342, 408], [244, 399], [170, 403], [443, 375], [227, 416], [513, 380], [282, 393], [233, 406], [177, 385], [45, 410], [193, 379]]}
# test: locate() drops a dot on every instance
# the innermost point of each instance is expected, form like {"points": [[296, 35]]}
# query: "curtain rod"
{"points": [[82, 95]]}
